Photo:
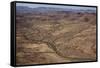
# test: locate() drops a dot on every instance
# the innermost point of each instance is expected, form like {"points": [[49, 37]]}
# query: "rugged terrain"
{"points": [[55, 37]]}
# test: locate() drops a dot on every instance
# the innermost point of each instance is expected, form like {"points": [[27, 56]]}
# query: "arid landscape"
{"points": [[46, 35]]}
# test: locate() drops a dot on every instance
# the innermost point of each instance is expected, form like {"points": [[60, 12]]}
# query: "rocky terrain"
{"points": [[55, 37]]}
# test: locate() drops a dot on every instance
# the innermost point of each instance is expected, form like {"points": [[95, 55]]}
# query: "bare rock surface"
{"points": [[55, 38]]}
